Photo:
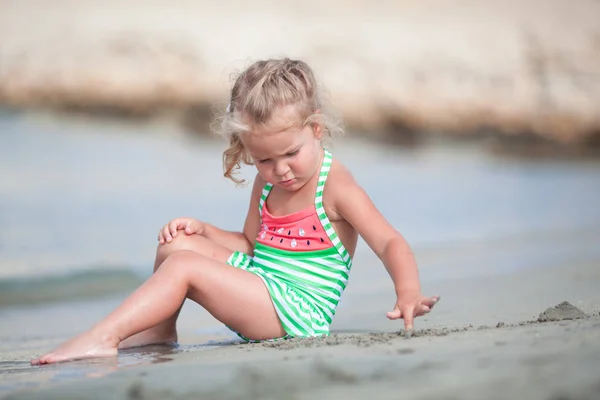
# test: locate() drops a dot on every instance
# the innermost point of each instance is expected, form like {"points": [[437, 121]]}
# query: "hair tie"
{"points": [[228, 109]]}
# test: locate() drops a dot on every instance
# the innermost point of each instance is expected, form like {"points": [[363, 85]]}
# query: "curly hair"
{"points": [[257, 92]]}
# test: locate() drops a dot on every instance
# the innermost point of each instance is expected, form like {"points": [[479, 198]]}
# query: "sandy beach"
{"points": [[489, 337]]}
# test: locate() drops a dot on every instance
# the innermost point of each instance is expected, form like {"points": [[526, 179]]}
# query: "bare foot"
{"points": [[150, 336], [86, 345]]}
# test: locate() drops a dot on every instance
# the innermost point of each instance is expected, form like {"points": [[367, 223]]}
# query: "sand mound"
{"points": [[560, 312]]}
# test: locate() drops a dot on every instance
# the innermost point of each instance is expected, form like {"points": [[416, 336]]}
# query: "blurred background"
{"points": [[527, 69], [473, 125]]}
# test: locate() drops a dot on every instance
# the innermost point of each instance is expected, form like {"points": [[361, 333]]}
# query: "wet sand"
{"points": [[487, 338]]}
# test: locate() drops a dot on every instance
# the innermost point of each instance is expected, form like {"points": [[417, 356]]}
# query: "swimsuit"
{"points": [[302, 262]]}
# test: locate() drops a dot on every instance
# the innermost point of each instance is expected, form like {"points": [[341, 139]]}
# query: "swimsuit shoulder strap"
{"points": [[325, 167], [263, 197]]}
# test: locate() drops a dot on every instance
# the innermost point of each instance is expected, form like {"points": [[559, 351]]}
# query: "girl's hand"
{"points": [[411, 305], [189, 225]]}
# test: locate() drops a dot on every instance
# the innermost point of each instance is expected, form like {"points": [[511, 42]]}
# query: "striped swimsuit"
{"points": [[302, 262]]}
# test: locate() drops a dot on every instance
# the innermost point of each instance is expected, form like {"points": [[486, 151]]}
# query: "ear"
{"points": [[318, 130]]}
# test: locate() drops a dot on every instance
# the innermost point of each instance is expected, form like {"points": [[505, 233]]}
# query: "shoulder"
{"points": [[340, 188], [257, 187], [349, 202], [259, 182], [339, 177]]}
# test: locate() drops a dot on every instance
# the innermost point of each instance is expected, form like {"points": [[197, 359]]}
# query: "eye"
{"points": [[263, 161], [292, 153]]}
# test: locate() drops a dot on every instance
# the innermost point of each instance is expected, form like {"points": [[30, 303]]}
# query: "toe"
{"points": [[41, 361]]}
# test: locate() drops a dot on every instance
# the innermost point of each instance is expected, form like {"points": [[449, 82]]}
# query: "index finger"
{"points": [[407, 314]]}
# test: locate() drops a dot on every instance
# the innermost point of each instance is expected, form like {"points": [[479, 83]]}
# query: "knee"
{"points": [[179, 243], [181, 262]]}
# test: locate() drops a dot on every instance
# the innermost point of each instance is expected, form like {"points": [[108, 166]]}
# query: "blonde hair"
{"points": [[257, 92]]}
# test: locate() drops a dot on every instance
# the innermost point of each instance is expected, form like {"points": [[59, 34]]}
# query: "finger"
{"points": [[190, 227], [173, 225], [407, 313], [430, 301], [395, 314], [422, 310], [166, 233]]}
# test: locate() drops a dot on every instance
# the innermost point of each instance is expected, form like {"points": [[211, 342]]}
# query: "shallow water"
{"points": [[81, 203]]}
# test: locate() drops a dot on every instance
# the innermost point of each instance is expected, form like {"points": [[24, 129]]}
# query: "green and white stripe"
{"points": [[263, 197]]}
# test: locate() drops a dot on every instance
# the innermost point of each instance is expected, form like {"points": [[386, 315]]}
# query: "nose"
{"points": [[281, 168]]}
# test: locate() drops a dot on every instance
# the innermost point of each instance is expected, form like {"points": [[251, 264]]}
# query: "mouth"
{"points": [[288, 182]]}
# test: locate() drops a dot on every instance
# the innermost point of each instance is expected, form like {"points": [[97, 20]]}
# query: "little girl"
{"points": [[284, 274]]}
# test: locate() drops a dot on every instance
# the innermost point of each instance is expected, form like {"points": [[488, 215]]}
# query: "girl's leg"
{"points": [[235, 297], [166, 331]]}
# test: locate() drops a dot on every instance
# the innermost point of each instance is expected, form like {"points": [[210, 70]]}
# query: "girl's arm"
{"points": [[355, 206], [234, 241], [240, 241]]}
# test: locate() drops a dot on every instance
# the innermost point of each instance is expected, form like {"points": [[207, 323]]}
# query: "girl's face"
{"points": [[286, 156]]}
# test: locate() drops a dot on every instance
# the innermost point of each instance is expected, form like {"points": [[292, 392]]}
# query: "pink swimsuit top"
{"points": [[299, 231]]}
